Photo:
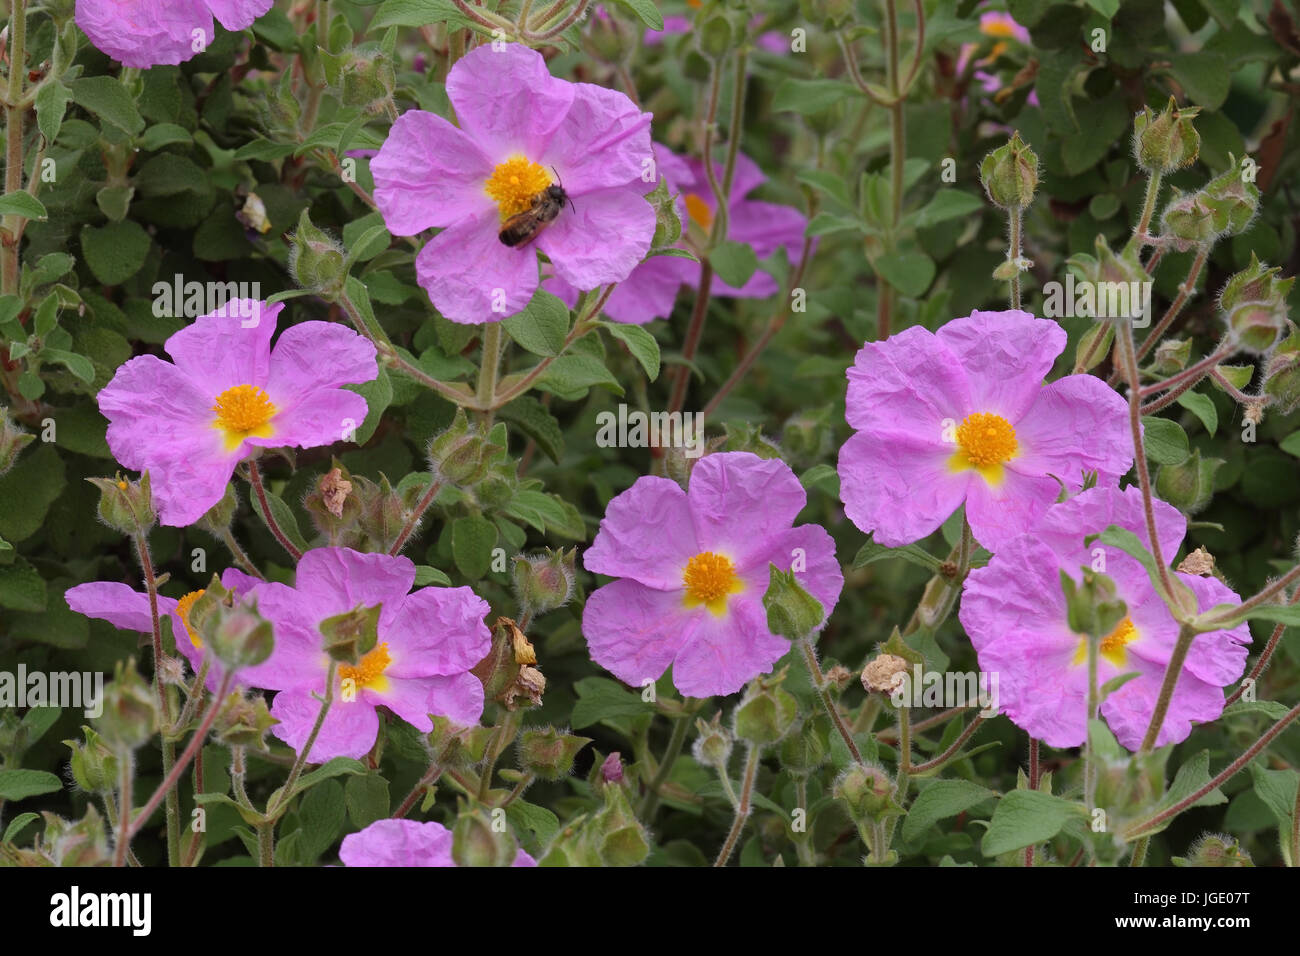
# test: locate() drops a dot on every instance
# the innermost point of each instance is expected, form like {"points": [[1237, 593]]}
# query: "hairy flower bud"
{"points": [[316, 260], [791, 611], [1188, 486], [1215, 849], [93, 763], [548, 753], [12, 440], [351, 635], [476, 842], [767, 712], [712, 748], [1166, 141], [1231, 200], [125, 505], [544, 582], [244, 721], [1009, 174], [130, 712], [1187, 221], [462, 453], [1254, 301], [866, 791]]}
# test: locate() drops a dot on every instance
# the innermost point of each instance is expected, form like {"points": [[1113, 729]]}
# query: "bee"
{"points": [[522, 228]]}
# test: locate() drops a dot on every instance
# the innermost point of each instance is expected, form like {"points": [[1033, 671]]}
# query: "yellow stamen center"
{"points": [[699, 211], [1112, 645], [183, 612], [243, 411], [370, 669], [709, 579], [514, 185], [985, 442]]}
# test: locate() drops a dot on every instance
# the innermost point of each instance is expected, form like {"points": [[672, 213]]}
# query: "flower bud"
{"points": [[1282, 374], [93, 763], [1231, 200], [808, 436], [1215, 849], [351, 635], [1188, 222], [792, 612], [125, 505], [548, 753], [712, 748], [244, 721], [475, 842], [316, 260], [462, 453], [866, 791], [12, 440], [885, 674], [714, 37], [1172, 355], [805, 750], [1009, 174], [746, 436], [544, 582], [382, 512], [82, 842], [766, 712], [233, 630], [611, 771], [668, 224], [1166, 141], [1188, 486], [332, 505], [367, 81], [1092, 606], [1255, 303], [130, 714]]}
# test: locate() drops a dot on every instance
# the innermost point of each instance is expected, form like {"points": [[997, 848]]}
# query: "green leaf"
{"points": [[22, 203], [537, 423], [734, 262], [948, 204], [425, 576], [1131, 544], [1276, 789], [940, 800], [1272, 709], [542, 325], [1291, 444], [164, 134], [569, 376], [909, 273], [367, 799], [21, 784], [1024, 818], [336, 767], [115, 252], [472, 539], [51, 104], [378, 393], [1191, 776], [417, 13], [600, 699], [78, 365], [27, 490], [284, 517], [109, 100], [528, 818], [322, 812], [1165, 441], [646, 10], [640, 343], [1205, 77], [17, 825], [1203, 408], [871, 552], [811, 96]]}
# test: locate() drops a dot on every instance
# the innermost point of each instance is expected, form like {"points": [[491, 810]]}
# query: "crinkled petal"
{"points": [[998, 512], [349, 730], [507, 100], [898, 486], [647, 534], [1216, 657], [1005, 356], [726, 651], [1039, 689], [909, 382], [238, 14], [458, 697], [438, 631], [1065, 525], [118, 604], [633, 631], [812, 551], [229, 347], [602, 143], [339, 579], [767, 227], [601, 239], [1128, 711], [650, 292], [740, 502], [1019, 587], [392, 842], [316, 355], [1076, 424], [466, 270], [320, 417], [145, 33], [429, 173]]}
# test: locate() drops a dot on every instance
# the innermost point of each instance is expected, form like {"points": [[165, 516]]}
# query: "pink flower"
{"points": [[650, 291], [428, 641], [128, 609], [962, 415], [405, 843], [228, 395], [521, 132], [692, 567], [1015, 613], [1003, 28], [145, 33]]}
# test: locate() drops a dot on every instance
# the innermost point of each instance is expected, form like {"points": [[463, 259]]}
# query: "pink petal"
{"points": [[633, 631], [466, 270], [739, 502], [507, 100], [1128, 711], [650, 292], [238, 14], [316, 355], [1065, 525], [1005, 356], [815, 550], [602, 143], [724, 652], [1076, 424], [1020, 587], [647, 534], [429, 173], [145, 33], [394, 842], [1216, 657], [909, 382], [601, 239], [456, 696], [119, 604], [321, 417], [997, 513], [339, 579], [438, 631], [229, 347], [349, 730], [897, 486]]}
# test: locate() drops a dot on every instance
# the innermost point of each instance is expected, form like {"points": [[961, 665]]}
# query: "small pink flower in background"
{"points": [[962, 415], [692, 567], [521, 131], [650, 291], [772, 41], [405, 843], [145, 33], [229, 394], [1004, 30], [128, 609], [1015, 613], [428, 641]]}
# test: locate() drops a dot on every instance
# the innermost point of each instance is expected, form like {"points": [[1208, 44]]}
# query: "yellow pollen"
{"points": [[183, 612], [986, 439], [369, 669], [1112, 645], [121, 484], [514, 185], [243, 411], [709, 579], [699, 210]]}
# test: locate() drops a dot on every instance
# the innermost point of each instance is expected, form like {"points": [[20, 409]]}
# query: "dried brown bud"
{"points": [[530, 684], [885, 674], [1199, 562], [334, 489]]}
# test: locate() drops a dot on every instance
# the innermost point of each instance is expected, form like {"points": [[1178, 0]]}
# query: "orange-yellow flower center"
{"points": [[709, 579], [369, 669], [244, 411], [183, 612], [1112, 645], [699, 210], [514, 185], [986, 439]]}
